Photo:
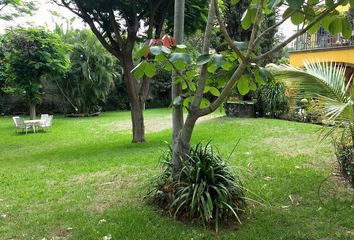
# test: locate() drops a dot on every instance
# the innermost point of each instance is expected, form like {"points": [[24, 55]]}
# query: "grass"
{"points": [[85, 180]]}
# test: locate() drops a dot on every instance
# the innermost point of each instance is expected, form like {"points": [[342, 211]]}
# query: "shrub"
{"points": [[345, 157], [205, 189], [272, 100]]}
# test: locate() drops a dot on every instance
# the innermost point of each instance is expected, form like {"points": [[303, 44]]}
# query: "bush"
{"points": [[205, 189], [272, 100], [345, 157]]}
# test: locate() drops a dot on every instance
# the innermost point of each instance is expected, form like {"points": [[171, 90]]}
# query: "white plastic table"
{"points": [[33, 123]]}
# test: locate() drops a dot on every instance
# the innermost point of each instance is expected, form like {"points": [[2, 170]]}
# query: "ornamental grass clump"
{"points": [[205, 189]]}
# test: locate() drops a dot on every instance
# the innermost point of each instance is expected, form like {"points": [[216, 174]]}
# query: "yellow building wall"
{"points": [[343, 55]]}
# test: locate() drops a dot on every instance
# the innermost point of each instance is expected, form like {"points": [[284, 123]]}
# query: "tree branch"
{"points": [[65, 4], [115, 27], [84, 15], [255, 29], [271, 28], [226, 35], [204, 72], [225, 92]]}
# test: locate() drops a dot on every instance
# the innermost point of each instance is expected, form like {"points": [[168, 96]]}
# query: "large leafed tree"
{"points": [[218, 73], [119, 25], [29, 55]]}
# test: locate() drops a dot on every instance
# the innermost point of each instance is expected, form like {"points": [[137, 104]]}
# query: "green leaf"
{"points": [[234, 2], [351, 2], [168, 67], [314, 28], [212, 68], [296, 4], [184, 85], [150, 70], [346, 28], [326, 21], [253, 86], [139, 70], [258, 77], [335, 26], [180, 56], [204, 103], [288, 12], [192, 87], [180, 65], [297, 18], [140, 53], [329, 3], [203, 59], [313, 2], [246, 20], [265, 74], [187, 101], [214, 91], [227, 66], [206, 89], [160, 58], [243, 85]]}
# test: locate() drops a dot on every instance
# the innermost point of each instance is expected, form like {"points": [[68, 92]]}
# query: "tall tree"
{"points": [[237, 67], [117, 25], [30, 54], [88, 82]]}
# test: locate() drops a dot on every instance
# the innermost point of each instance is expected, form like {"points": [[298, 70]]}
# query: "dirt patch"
{"points": [[151, 124]]}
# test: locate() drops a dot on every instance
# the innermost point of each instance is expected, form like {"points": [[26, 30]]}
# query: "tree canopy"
{"points": [[29, 55], [14, 8], [119, 25], [88, 82]]}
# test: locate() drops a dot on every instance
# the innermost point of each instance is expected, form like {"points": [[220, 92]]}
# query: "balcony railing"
{"points": [[320, 40]]}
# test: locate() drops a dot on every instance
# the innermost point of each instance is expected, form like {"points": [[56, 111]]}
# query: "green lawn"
{"points": [[63, 183]]}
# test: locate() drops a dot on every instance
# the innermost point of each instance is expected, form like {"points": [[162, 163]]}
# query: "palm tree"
{"points": [[327, 82], [91, 76]]}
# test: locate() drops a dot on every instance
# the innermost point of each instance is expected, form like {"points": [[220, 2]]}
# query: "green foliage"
{"points": [[186, 63], [9, 9], [204, 189], [345, 157], [326, 82], [30, 55], [90, 78], [271, 99]]}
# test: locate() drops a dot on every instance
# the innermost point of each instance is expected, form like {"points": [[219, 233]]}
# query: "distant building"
{"points": [[323, 46]]}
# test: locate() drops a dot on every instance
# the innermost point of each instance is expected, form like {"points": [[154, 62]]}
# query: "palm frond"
{"points": [[323, 80]]}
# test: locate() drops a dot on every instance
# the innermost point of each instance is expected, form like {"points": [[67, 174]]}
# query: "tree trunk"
{"points": [[32, 110], [137, 113], [177, 113], [181, 145], [136, 103]]}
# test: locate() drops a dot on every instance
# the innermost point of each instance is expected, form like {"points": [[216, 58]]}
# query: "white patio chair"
{"points": [[20, 124], [46, 122], [44, 116]]}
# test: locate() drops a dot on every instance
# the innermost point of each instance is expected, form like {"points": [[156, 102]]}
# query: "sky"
{"points": [[43, 17]]}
